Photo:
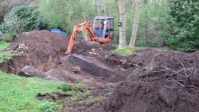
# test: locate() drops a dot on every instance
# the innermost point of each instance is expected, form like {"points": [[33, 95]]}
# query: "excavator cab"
{"points": [[103, 26]]}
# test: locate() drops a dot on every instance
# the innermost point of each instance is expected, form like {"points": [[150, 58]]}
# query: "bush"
{"points": [[8, 55], [66, 87], [184, 26], [3, 28], [8, 37], [22, 18]]}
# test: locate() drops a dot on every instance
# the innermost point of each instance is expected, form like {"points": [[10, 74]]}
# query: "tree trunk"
{"points": [[104, 11], [135, 23], [122, 29], [84, 32], [98, 6]]}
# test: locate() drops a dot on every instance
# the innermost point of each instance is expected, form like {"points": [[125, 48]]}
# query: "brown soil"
{"points": [[41, 50], [153, 80]]}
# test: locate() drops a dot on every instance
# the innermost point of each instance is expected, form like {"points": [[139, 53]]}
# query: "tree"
{"points": [[68, 12], [152, 24], [135, 24], [104, 6], [122, 18], [4, 7], [22, 18], [7, 5], [184, 30]]}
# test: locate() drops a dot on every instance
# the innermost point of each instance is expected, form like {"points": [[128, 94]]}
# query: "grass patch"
{"points": [[78, 91], [3, 45], [140, 48], [7, 55], [125, 52], [49, 107], [95, 99], [18, 94], [66, 87], [81, 87]]}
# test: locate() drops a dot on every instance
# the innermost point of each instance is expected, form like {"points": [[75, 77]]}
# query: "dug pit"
{"points": [[43, 56]]}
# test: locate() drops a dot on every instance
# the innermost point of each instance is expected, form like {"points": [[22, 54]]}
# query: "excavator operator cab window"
{"points": [[102, 27]]}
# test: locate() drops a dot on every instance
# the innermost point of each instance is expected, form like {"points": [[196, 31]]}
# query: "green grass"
{"points": [[18, 94], [6, 56], [125, 52], [140, 48], [3, 45]]}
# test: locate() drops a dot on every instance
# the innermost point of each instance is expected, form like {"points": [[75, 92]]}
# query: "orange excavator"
{"points": [[101, 32]]}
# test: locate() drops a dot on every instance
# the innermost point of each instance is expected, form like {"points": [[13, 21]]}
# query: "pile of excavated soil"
{"points": [[152, 92], [171, 84], [40, 50]]}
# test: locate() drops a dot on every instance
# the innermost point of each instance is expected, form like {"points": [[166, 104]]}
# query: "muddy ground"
{"points": [[152, 80]]}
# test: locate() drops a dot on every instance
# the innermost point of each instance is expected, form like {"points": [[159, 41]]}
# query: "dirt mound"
{"points": [[169, 85], [153, 92], [40, 50]]}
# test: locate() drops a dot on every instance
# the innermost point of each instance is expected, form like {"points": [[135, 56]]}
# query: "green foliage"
{"points": [[79, 91], [3, 28], [68, 12], [48, 107], [18, 94], [125, 52], [152, 24], [82, 90], [5, 57], [66, 87], [95, 100], [21, 18], [8, 37], [184, 30], [85, 94], [81, 86], [13, 23], [8, 55]]}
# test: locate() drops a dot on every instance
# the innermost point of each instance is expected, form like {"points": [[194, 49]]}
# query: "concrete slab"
{"points": [[91, 65]]}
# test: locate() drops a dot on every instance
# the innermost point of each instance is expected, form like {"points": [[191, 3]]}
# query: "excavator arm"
{"points": [[79, 28]]}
